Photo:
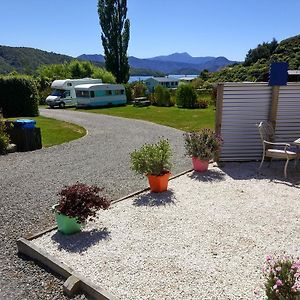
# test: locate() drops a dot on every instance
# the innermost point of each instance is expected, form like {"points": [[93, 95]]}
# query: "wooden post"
{"points": [[274, 106], [219, 111]]}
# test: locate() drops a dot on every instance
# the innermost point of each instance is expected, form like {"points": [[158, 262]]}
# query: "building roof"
{"points": [[186, 78], [165, 79]]}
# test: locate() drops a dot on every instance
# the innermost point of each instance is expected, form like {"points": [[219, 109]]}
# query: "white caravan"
{"points": [[63, 91], [102, 94]]}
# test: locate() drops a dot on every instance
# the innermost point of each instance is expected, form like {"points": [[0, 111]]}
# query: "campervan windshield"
{"points": [[60, 93], [57, 92]]}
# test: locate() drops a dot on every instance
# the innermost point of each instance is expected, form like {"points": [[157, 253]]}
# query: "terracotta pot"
{"points": [[200, 165], [159, 183]]}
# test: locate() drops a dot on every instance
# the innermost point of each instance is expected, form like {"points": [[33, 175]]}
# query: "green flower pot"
{"points": [[65, 224]]}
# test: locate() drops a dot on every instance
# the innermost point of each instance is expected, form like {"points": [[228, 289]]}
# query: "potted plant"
{"points": [[77, 203], [202, 146], [153, 160]]}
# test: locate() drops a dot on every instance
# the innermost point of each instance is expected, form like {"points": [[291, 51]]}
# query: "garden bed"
{"points": [[205, 238]]}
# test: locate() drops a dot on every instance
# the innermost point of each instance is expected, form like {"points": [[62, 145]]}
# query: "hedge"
{"points": [[18, 96]]}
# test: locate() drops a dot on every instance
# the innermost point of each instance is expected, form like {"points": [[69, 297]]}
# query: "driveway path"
{"points": [[29, 182]]}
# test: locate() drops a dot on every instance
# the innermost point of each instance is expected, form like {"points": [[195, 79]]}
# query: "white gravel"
{"points": [[206, 238]]}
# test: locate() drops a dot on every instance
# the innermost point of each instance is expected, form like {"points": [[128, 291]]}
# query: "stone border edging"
{"points": [[74, 283]]}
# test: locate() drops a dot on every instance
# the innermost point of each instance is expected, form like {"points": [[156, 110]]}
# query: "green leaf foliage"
{"points": [[162, 96], [115, 37], [257, 62], [27, 60], [138, 89], [202, 144], [18, 96], [186, 96], [4, 138], [74, 70], [152, 159]]}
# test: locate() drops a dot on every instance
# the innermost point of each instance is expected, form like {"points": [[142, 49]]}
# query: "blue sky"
{"points": [[158, 27]]}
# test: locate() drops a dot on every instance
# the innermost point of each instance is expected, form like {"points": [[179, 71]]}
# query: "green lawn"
{"points": [[180, 118], [55, 132]]}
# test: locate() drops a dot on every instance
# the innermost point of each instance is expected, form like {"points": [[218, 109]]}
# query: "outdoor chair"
{"points": [[270, 149]]}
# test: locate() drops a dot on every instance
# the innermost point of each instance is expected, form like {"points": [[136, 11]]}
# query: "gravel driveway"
{"points": [[29, 182]]}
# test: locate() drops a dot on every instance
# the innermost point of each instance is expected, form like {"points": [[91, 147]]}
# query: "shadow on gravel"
{"points": [[209, 176], [271, 171], [155, 199], [80, 242]]}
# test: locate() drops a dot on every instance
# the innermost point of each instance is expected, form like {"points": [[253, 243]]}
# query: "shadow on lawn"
{"points": [[80, 241], [155, 199], [209, 176]]}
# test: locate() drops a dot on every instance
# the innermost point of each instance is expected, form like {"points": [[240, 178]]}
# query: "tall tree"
{"points": [[115, 37]]}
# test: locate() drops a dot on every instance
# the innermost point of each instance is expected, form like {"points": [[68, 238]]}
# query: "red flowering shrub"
{"points": [[81, 201]]}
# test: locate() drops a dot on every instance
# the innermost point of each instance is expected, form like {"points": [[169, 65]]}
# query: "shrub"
{"points": [[44, 89], [81, 201], [139, 89], [202, 103], [162, 96], [186, 96], [282, 276], [128, 92], [18, 96], [152, 159], [203, 144], [4, 138]]}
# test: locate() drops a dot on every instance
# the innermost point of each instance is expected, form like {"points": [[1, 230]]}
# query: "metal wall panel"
{"points": [[288, 113], [246, 104]]}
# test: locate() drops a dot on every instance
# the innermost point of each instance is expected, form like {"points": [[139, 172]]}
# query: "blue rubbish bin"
{"points": [[25, 123]]}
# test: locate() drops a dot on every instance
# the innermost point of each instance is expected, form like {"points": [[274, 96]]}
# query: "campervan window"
{"points": [[57, 92], [65, 94], [108, 92], [82, 94], [119, 92], [92, 94]]}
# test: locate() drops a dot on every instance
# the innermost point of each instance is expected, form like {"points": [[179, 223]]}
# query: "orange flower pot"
{"points": [[159, 183]]}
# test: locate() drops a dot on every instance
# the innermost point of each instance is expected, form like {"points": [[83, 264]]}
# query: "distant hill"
{"points": [[258, 60], [184, 58], [135, 68], [176, 63], [26, 60]]}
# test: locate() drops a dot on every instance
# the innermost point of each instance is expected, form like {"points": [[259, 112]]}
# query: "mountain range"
{"points": [[27, 60], [176, 63]]}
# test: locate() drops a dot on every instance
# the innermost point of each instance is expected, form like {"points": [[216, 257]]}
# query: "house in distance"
{"points": [[167, 82]]}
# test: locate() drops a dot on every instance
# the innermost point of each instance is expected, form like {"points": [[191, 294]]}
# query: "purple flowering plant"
{"points": [[282, 275], [203, 144]]}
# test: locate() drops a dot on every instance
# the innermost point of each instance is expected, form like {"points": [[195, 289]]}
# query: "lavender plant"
{"points": [[203, 144]]}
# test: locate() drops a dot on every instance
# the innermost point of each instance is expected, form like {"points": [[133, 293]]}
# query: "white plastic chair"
{"points": [[266, 132]]}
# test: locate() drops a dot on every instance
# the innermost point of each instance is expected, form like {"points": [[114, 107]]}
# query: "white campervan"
{"points": [[63, 91], [101, 94]]}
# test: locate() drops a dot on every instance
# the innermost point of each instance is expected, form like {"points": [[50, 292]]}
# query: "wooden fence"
{"points": [[240, 106]]}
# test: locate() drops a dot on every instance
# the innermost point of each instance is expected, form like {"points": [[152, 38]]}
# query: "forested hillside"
{"points": [[257, 62], [27, 60]]}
